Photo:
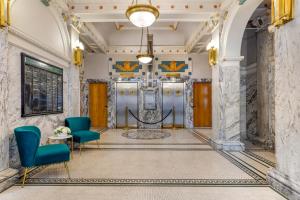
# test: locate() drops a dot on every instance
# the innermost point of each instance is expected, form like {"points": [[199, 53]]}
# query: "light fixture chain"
{"points": [[142, 40]]}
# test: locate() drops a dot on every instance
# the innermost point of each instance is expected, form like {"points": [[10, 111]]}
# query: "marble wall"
{"points": [[150, 115], [4, 136], [144, 115], [265, 89], [111, 97], [286, 176], [257, 81], [47, 123]]}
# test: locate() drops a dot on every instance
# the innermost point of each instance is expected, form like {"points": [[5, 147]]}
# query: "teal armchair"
{"points": [[80, 130], [33, 155]]}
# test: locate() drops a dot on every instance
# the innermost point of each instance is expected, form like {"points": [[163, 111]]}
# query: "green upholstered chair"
{"points": [[80, 130], [33, 155]]}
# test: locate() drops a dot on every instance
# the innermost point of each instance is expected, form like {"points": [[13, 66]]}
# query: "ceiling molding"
{"points": [[89, 32], [158, 50], [203, 30], [113, 11]]}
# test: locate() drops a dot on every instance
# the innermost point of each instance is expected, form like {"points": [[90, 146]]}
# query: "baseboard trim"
{"points": [[8, 178], [228, 145], [283, 185]]}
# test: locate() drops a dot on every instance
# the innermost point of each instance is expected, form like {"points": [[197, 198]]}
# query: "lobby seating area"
{"points": [[32, 155], [80, 130], [149, 99]]}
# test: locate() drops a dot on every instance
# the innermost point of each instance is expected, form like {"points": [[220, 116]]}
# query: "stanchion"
{"points": [[174, 126], [126, 118]]}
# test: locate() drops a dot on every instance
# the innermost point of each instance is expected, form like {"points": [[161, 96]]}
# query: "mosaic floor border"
{"points": [[272, 164], [145, 182], [256, 181]]}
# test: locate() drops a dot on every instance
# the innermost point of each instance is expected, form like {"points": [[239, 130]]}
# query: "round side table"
{"points": [[61, 139]]}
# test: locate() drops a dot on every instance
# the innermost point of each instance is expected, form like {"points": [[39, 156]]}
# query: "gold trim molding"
{"points": [[142, 7]]}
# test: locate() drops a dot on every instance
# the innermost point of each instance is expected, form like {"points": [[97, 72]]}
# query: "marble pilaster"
{"points": [[265, 89], [189, 110], [226, 104], [4, 135], [8, 176], [286, 176]]}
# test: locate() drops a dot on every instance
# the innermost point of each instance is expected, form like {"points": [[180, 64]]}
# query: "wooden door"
{"points": [[202, 105], [98, 104]]}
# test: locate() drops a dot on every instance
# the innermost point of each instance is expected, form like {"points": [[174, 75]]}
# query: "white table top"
{"points": [[61, 137]]}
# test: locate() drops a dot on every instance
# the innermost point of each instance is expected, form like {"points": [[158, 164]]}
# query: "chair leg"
{"points": [[79, 149], [24, 177], [98, 144], [67, 169]]}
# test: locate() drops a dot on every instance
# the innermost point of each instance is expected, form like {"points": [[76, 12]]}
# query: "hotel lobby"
{"points": [[149, 99]]}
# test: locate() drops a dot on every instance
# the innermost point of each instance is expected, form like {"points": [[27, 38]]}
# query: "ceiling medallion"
{"points": [[142, 15]]}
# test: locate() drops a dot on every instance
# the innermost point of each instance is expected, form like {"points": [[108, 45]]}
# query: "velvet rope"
{"points": [[151, 122]]}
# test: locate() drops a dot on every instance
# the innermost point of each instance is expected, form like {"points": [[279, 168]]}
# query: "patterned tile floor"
{"points": [[183, 166]]}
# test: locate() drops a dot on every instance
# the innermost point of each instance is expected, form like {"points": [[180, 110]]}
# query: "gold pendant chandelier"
{"points": [[142, 15], [146, 58]]}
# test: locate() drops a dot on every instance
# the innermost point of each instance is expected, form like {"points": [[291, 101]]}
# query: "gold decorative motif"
{"points": [[167, 92], [173, 67], [212, 56], [178, 93], [78, 56], [282, 11], [4, 20], [126, 67], [132, 91], [121, 92]]}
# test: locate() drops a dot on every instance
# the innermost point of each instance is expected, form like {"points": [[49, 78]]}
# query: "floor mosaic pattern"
{"points": [[185, 161]]}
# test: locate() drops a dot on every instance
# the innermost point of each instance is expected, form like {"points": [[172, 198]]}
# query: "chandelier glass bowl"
{"points": [[142, 15], [144, 58]]}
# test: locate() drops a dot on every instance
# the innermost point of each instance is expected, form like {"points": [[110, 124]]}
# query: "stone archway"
{"points": [[226, 77]]}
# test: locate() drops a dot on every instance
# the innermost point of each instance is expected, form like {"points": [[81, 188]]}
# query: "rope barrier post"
{"points": [[126, 118], [174, 127]]}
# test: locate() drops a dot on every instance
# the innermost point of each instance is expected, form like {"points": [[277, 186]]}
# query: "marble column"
{"points": [[286, 176], [7, 176], [226, 105]]}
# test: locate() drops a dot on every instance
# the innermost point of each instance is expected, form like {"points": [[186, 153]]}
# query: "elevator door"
{"points": [[127, 95], [173, 95]]}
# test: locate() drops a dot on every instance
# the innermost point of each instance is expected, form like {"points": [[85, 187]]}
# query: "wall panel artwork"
{"points": [[42, 87], [173, 66], [168, 66], [127, 66], [125, 69]]}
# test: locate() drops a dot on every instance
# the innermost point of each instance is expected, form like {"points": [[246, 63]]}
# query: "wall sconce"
{"points": [[212, 56], [78, 54], [4, 19], [282, 12]]}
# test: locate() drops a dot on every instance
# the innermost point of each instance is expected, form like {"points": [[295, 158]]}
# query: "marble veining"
{"points": [[144, 115], [287, 100], [46, 123], [4, 134]]}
